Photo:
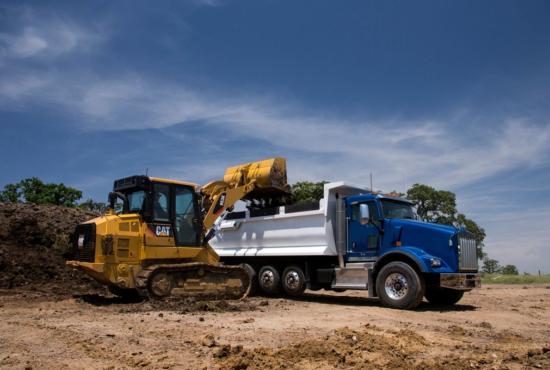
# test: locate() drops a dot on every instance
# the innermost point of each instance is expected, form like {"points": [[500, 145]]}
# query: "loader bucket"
{"points": [[269, 175]]}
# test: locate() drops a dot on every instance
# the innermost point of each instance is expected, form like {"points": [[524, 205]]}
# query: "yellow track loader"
{"points": [[156, 245]]}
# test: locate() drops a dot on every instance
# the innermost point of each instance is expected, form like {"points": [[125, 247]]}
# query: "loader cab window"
{"points": [[161, 212], [135, 200]]}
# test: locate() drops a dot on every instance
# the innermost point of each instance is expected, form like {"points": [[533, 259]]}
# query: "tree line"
{"points": [[33, 190]]}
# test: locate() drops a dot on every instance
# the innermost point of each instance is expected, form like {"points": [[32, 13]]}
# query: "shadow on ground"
{"points": [[374, 302], [101, 300]]}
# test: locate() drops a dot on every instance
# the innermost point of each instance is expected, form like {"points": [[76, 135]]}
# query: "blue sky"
{"points": [[451, 94]]}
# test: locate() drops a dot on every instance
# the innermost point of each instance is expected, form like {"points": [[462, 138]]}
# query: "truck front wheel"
{"points": [[294, 281], [269, 280], [399, 286], [443, 296]]}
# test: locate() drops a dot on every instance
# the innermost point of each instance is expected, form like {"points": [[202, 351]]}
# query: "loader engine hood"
{"points": [[433, 239]]}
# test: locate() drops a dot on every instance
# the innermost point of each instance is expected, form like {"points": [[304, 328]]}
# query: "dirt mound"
{"points": [[345, 348], [372, 348], [33, 242]]}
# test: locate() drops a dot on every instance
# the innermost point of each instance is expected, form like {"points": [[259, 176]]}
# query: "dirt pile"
{"points": [[370, 348], [345, 348], [33, 242]]}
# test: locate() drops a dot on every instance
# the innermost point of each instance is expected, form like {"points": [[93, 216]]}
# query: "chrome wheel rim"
{"points": [[292, 280], [268, 279], [396, 286]]}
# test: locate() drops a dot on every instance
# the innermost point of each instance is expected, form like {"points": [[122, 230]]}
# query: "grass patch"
{"points": [[514, 279]]}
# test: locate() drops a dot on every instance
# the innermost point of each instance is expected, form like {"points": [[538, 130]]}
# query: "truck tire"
{"points": [[294, 281], [253, 279], [269, 280], [443, 297], [399, 286]]}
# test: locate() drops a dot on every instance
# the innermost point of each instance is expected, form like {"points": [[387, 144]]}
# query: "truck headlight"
{"points": [[435, 262]]}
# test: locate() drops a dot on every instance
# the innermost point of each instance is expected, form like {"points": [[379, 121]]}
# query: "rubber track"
{"points": [[142, 279]]}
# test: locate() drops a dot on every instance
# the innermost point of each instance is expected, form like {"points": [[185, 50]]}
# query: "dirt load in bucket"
{"points": [[34, 239]]}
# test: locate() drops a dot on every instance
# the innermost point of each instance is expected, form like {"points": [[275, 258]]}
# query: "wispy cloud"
{"points": [[44, 35], [397, 150]]}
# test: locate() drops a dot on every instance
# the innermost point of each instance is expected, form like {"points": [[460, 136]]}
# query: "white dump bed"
{"points": [[287, 233]]}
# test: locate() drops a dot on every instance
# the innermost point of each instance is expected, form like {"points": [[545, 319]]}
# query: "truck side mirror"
{"points": [[364, 215]]}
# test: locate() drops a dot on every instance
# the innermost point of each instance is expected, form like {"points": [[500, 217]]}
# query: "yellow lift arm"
{"points": [[261, 179]]}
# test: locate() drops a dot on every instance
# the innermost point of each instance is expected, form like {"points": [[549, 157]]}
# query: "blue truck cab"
{"points": [[407, 254]]}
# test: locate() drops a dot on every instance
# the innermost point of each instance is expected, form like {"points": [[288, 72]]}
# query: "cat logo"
{"points": [[218, 209], [162, 230]]}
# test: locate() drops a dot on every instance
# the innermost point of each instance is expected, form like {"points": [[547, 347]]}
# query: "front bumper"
{"points": [[460, 281]]}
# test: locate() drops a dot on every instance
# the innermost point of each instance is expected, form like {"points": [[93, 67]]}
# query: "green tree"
{"points": [[433, 205], [491, 266], [33, 190], [92, 206], [10, 194], [306, 191], [439, 206], [510, 270]]}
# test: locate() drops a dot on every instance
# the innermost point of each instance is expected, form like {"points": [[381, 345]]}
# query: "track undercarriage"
{"points": [[198, 280]]}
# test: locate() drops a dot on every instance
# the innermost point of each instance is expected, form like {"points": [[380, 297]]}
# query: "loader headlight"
{"points": [[80, 241]]}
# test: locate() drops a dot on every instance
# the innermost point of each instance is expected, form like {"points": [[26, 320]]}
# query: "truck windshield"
{"points": [[397, 209]]}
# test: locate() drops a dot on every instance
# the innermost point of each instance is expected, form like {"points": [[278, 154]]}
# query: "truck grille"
{"points": [[467, 255], [84, 243]]}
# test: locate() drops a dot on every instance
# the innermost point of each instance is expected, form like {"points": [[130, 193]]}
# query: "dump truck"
{"points": [[351, 239], [156, 243]]}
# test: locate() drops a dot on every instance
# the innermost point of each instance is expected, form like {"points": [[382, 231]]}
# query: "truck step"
{"points": [[352, 277]]}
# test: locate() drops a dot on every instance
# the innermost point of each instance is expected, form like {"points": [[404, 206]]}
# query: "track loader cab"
{"points": [[168, 210]]}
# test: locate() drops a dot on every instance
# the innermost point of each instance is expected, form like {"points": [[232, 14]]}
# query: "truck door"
{"points": [[363, 240]]}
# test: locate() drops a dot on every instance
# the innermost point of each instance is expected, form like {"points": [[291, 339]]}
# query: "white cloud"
{"points": [[398, 151], [44, 35]]}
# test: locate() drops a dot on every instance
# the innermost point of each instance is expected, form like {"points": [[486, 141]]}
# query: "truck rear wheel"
{"points": [[294, 281], [443, 297], [269, 280], [399, 286]]}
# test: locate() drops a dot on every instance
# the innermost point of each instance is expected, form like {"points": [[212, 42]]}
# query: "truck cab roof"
{"points": [[363, 197]]}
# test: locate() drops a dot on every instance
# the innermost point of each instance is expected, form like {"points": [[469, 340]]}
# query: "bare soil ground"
{"points": [[496, 327]]}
